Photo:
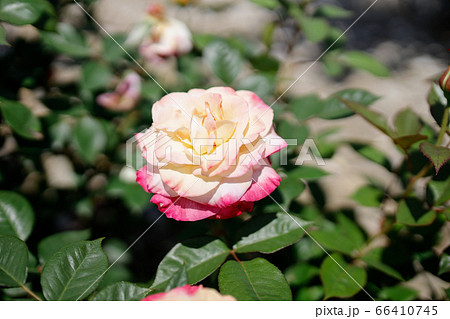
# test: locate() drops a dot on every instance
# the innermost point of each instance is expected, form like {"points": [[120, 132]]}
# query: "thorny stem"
{"points": [[32, 294]]}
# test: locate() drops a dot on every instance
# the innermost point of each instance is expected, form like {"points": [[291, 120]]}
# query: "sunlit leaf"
{"points": [[269, 233], [315, 29], [16, 215], [74, 271], [200, 257], [21, 12], [361, 60], [256, 279]]}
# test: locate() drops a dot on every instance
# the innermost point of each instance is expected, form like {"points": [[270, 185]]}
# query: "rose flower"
{"points": [[207, 153], [159, 36], [190, 293], [126, 95]]}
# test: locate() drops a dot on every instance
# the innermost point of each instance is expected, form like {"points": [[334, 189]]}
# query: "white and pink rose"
{"points": [[207, 153], [190, 293]]}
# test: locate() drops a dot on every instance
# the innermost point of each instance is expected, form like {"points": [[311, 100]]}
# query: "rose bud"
{"points": [[126, 95], [444, 81], [207, 153], [190, 293]]}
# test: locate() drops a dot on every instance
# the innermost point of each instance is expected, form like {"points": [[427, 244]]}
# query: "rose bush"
{"points": [[207, 153]]}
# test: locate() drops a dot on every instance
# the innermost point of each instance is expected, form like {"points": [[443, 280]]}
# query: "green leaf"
{"points": [[21, 12], [374, 118], [200, 257], [315, 29], [269, 233], [293, 131], [90, 138], [269, 4], [3, 36], [121, 291], [441, 191], [290, 188], [337, 282], [335, 108], [437, 155], [256, 279], [306, 249], [95, 75], [345, 237], [374, 260], [398, 293], [49, 245], [20, 119], [306, 106], [411, 212], [407, 141], [374, 155], [180, 279], [74, 271], [313, 293], [331, 11], [368, 196], [111, 51], [66, 41], [13, 261], [363, 61], [444, 264], [407, 122], [225, 61], [300, 274], [438, 103], [265, 63], [260, 84], [308, 173], [16, 215]]}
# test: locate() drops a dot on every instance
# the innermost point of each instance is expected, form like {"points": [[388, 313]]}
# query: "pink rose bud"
{"points": [[207, 153], [444, 81], [190, 293], [126, 95]]}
